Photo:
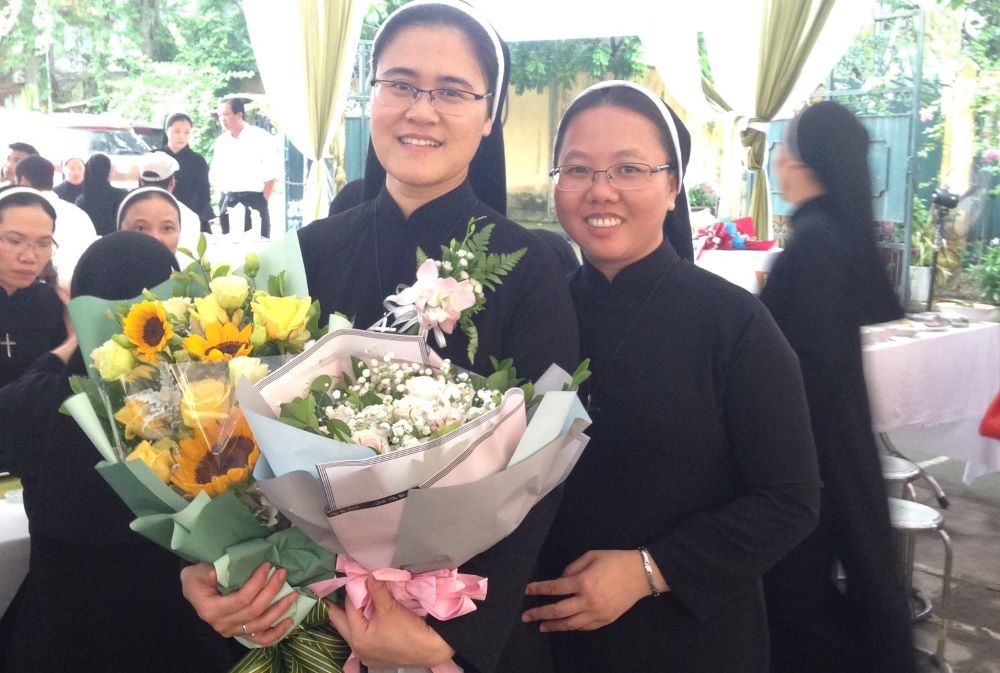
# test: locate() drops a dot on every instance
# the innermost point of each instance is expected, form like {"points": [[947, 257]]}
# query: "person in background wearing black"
{"points": [[701, 471], [436, 160], [72, 185], [191, 187], [98, 597], [99, 199], [826, 284], [15, 152]]}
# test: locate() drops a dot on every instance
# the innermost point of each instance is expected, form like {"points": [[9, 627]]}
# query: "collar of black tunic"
{"points": [[635, 280], [29, 293], [441, 212]]}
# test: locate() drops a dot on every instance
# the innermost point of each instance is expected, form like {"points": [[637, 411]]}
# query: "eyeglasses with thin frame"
{"points": [[19, 246], [393, 93], [629, 175]]}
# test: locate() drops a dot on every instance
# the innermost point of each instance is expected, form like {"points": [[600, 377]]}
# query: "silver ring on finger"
{"points": [[245, 632]]}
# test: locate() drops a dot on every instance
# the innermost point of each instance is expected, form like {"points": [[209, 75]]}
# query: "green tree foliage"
{"points": [[141, 59], [557, 63]]}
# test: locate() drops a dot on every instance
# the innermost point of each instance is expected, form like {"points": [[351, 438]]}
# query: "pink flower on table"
{"points": [[439, 301]]}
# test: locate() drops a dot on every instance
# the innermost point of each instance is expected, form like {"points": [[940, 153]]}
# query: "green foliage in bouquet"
{"points": [[470, 260]]}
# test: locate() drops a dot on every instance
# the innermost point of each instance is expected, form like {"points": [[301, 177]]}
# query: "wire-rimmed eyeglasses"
{"points": [[397, 94], [19, 246], [629, 175]]}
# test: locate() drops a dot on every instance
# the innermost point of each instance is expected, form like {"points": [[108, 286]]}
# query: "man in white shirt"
{"points": [[244, 166], [159, 169], [74, 230]]}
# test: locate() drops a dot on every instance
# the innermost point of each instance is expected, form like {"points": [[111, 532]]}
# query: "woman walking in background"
{"points": [[826, 284]]}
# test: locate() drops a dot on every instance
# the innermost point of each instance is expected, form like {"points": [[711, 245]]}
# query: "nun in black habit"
{"points": [[436, 160], [98, 597], [826, 284], [701, 471], [31, 313]]}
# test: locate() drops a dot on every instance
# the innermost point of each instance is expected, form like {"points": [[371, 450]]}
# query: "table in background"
{"points": [[740, 267], [15, 546], [930, 392]]}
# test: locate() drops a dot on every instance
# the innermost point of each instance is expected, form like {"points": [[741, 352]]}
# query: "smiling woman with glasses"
{"points": [[31, 313], [700, 471], [436, 160]]}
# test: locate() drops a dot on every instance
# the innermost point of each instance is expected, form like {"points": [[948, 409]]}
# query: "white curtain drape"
{"points": [[734, 46], [305, 51]]}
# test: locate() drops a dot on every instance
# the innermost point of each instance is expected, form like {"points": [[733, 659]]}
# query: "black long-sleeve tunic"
{"points": [[820, 291], [355, 259], [31, 320], [700, 451], [191, 187], [98, 597]]}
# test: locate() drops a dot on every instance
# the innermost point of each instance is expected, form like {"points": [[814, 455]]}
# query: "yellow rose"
{"points": [[159, 457], [207, 311], [246, 368], [139, 421], [112, 361], [205, 406], [230, 291], [282, 317]]}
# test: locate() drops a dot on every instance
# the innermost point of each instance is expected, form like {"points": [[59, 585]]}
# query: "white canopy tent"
{"points": [[741, 36]]}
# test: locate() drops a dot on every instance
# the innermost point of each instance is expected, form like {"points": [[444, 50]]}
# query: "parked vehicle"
{"points": [[62, 136]]}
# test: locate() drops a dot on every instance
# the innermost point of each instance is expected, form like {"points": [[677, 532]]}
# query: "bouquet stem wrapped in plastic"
{"points": [[414, 515]]}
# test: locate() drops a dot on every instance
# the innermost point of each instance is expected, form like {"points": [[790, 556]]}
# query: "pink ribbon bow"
{"points": [[442, 594]]}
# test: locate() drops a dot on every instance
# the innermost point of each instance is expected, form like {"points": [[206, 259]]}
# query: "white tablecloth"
{"points": [[739, 267], [14, 550], [931, 391]]}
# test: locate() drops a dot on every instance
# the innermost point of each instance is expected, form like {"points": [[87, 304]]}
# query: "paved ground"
{"points": [[973, 522]]}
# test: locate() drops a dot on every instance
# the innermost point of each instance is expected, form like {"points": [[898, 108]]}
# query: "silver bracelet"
{"points": [[647, 565]]}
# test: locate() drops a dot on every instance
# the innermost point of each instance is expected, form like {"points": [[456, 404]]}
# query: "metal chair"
{"points": [[909, 518], [932, 483], [896, 470]]}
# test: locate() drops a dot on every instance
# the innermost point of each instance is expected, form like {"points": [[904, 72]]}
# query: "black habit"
{"points": [[358, 257], [191, 187], [815, 295], [68, 191], [98, 597], [32, 320], [700, 451]]}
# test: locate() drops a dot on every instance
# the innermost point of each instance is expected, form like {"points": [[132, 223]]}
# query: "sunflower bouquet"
{"points": [[159, 403]]}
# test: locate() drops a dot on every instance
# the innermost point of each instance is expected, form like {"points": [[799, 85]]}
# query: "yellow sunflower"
{"points": [[147, 327], [222, 341], [216, 469]]}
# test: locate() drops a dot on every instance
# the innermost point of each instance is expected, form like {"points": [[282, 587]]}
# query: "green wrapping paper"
{"points": [[219, 531]]}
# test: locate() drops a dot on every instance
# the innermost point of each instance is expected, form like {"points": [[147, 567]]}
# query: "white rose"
{"points": [[246, 368], [230, 291], [177, 308], [425, 387]]}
